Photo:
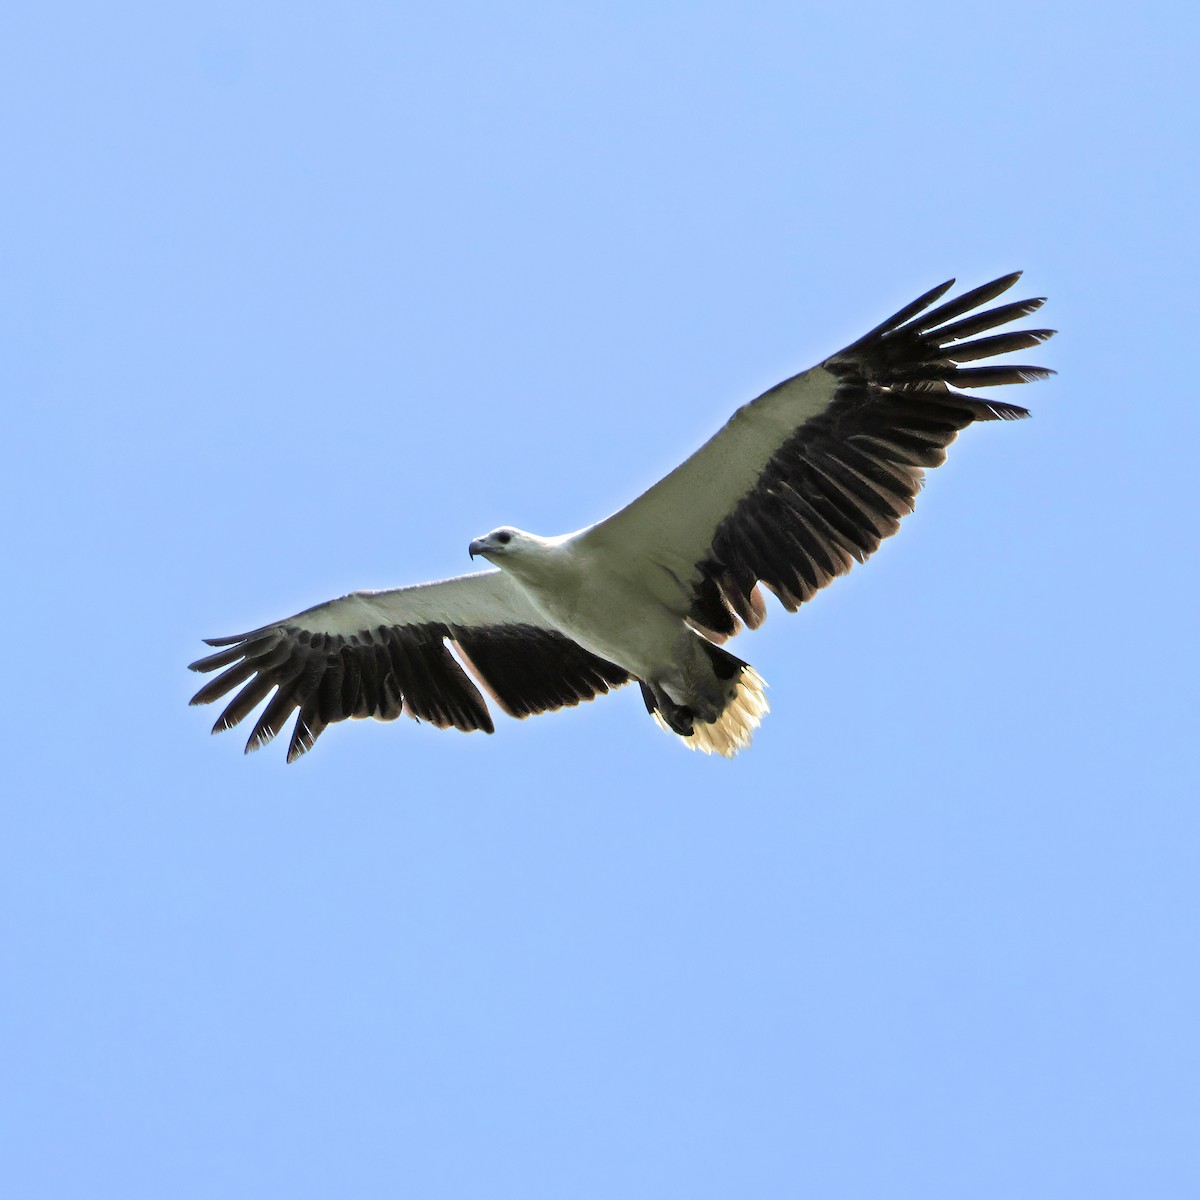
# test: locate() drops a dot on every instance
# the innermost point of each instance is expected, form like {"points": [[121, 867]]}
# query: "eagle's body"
{"points": [[590, 595], [797, 486]]}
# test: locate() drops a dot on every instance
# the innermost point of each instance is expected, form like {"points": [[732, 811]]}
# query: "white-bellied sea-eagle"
{"points": [[797, 486]]}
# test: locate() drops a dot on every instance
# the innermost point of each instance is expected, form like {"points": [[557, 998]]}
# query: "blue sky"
{"points": [[295, 300]]}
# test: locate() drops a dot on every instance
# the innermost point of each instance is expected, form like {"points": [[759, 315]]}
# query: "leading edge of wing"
{"points": [[478, 598]]}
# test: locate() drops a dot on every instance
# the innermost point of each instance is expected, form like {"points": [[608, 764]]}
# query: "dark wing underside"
{"points": [[811, 477], [382, 670]]}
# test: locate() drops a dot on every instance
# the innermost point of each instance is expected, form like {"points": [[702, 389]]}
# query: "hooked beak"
{"points": [[477, 547]]}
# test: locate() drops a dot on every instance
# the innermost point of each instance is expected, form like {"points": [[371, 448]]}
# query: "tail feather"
{"points": [[733, 729]]}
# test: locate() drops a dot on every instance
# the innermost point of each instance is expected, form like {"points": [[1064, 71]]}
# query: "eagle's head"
{"points": [[503, 543]]}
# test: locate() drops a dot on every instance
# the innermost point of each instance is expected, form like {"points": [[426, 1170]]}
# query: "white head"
{"points": [[505, 543]]}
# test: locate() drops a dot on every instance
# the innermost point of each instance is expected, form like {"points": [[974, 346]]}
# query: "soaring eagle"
{"points": [[797, 486]]}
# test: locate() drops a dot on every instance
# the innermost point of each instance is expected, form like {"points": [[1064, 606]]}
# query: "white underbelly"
{"points": [[619, 625]]}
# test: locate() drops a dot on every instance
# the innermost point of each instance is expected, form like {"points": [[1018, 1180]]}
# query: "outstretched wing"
{"points": [[816, 472], [378, 654]]}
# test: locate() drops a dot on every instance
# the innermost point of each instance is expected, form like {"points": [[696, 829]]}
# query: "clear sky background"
{"points": [[296, 299]]}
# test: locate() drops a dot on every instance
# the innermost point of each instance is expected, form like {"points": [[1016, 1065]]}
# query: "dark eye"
{"points": [[504, 538]]}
